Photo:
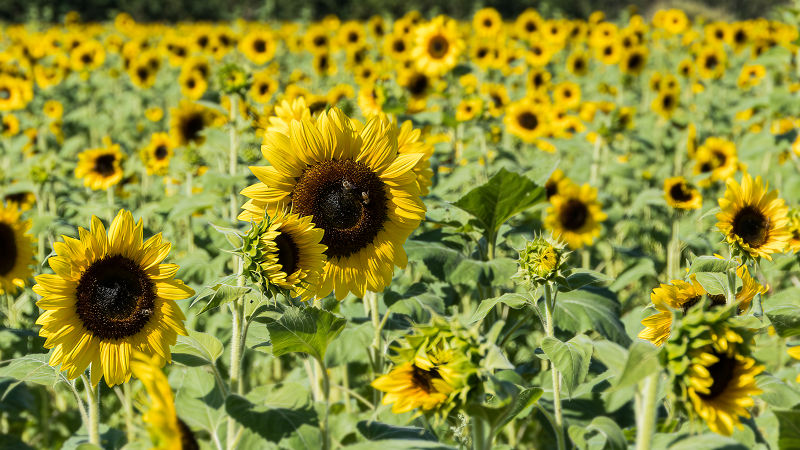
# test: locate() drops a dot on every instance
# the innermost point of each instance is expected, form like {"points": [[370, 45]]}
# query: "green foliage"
{"points": [[571, 358], [305, 330]]}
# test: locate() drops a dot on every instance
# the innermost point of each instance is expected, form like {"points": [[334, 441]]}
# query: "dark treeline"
{"points": [[216, 10]]}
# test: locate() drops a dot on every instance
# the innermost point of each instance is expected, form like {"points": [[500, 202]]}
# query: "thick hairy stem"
{"points": [[549, 304], [93, 400], [644, 432], [326, 393], [377, 353], [237, 310]]}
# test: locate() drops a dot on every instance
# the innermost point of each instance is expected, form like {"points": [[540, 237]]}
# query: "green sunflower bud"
{"points": [[540, 261], [232, 79]]}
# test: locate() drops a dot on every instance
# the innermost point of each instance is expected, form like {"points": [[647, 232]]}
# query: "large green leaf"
{"points": [[221, 292], [708, 441], [642, 361], [515, 301], [401, 444], [714, 283], [33, 368], [775, 392], [274, 412], [642, 268], [197, 349], [351, 346], [584, 310], [614, 437], [711, 264], [496, 272], [377, 431], [306, 330], [199, 401], [502, 197], [783, 311], [579, 278], [571, 358], [789, 429], [527, 398]]}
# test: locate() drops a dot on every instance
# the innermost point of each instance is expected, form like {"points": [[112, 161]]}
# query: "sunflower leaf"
{"points": [[614, 437], [571, 358], [711, 264], [527, 398], [377, 431], [197, 349], [505, 195], [642, 361], [305, 330], [515, 301], [274, 412], [783, 310], [582, 277]]}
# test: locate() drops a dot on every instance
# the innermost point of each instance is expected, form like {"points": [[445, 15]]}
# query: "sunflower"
{"points": [[417, 83], [753, 220], [53, 109], [557, 178], [357, 187], [352, 36], [482, 53], [567, 95], [12, 96], [408, 142], [467, 109], [603, 34], [634, 60], [286, 113], [258, 46], [537, 80], [750, 288], [141, 74], [339, 93], [711, 62], [686, 68], [526, 120], [167, 431], [408, 386], [100, 168], [751, 75], [717, 33], [193, 84], [154, 114], [371, 99], [718, 157], [538, 55], [366, 73], [23, 200], [487, 22], [397, 47], [264, 86], [197, 63], [721, 384], [158, 153], [498, 98], [575, 215], [15, 243], [188, 120], [323, 64], [680, 195], [665, 104], [87, 56], [794, 230], [317, 40], [675, 21], [437, 46], [739, 36], [578, 63], [609, 54], [377, 26], [528, 24], [293, 257], [110, 295], [679, 295], [10, 125]]}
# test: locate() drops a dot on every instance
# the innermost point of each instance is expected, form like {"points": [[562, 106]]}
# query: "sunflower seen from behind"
{"points": [[357, 187], [753, 220], [110, 296], [15, 246], [100, 168], [575, 215]]}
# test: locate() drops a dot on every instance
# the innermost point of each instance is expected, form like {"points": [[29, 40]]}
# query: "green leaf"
{"points": [[377, 431], [401, 444], [582, 277], [515, 301], [713, 283], [642, 361], [496, 272], [783, 311], [417, 302], [351, 346], [614, 437], [583, 310], [789, 429], [233, 236], [33, 368], [274, 412], [306, 330], [776, 392], [571, 358], [710, 212], [527, 398], [200, 400], [197, 349], [711, 264], [502, 197], [223, 291], [708, 441], [642, 268]]}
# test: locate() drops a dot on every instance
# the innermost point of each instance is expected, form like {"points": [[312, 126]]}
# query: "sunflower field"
{"points": [[521, 232]]}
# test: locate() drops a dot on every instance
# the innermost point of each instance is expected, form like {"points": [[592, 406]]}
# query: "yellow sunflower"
{"points": [[539, 54], [409, 142], [526, 120], [109, 296], [357, 187], [721, 386], [567, 95], [467, 109], [293, 256], [634, 60], [53, 109], [317, 39], [557, 178], [498, 98], [352, 36], [371, 99], [408, 387], [154, 114], [537, 80], [324, 65], [264, 86], [575, 215], [679, 295], [578, 63], [193, 84], [12, 96], [397, 47], [258, 46], [10, 125], [167, 431], [87, 56], [416, 82], [528, 24], [680, 195], [100, 168], [15, 243], [794, 230], [286, 112], [753, 219], [751, 75], [23, 200], [158, 153], [437, 46], [665, 104], [711, 62], [188, 120], [718, 157], [487, 22]]}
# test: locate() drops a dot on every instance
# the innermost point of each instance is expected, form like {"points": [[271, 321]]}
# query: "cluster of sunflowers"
{"points": [[369, 187]]}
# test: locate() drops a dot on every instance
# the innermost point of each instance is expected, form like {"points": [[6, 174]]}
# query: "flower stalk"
{"points": [[647, 415]]}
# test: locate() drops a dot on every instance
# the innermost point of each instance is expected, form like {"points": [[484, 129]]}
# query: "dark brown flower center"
{"points": [[717, 300], [578, 65], [161, 152], [191, 126], [288, 253], [752, 226], [418, 85], [320, 41], [740, 37], [530, 26], [399, 46], [689, 303], [352, 37], [438, 46], [528, 120], [8, 248], [680, 193], [263, 88], [5, 94], [423, 379], [188, 441], [711, 62], [573, 215], [722, 372], [635, 61], [347, 200], [115, 298], [667, 102], [260, 46], [487, 23], [104, 165], [86, 58]]}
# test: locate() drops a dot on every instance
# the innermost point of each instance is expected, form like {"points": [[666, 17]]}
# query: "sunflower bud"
{"points": [[232, 79], [540, 261]]}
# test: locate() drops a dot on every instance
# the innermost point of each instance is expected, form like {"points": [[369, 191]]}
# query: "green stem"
{"points": [[556, 428], [482, 434], [124, 395], [646, 427], [516, 327], [233, 155], [598, 143], [673, 251], [237, 309], [377, 354], [549, 305], [326, 393], [731, 298], [93, 400]]}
